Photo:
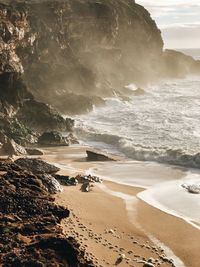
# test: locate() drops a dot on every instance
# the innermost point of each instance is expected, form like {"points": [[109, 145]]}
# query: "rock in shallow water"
{"points": [[94, 155], [193, 189]]}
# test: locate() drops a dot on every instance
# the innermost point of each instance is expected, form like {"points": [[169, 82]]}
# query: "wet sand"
{"points": [[93, 215], [139, 229]]}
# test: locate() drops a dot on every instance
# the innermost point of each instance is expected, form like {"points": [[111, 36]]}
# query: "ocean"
{"points": [[162, 125], [158, 133]]}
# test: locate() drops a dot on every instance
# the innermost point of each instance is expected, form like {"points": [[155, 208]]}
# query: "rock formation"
{"points": [[36, 166], [81, 50], [94, 155], [177, 64], [30, 230], [70, 54]]}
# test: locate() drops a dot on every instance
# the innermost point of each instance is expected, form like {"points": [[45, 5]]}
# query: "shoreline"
{"points": [[149, 222], [90, 224], [117, 172], [139, 232]]}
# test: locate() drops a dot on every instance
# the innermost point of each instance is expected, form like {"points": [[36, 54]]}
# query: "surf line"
{"points": [[131, 207]]}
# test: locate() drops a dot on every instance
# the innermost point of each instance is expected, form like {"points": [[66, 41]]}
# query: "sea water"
{"points": [[161, 126]]}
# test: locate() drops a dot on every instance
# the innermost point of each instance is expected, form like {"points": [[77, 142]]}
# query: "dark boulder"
{"points": [[93, 155], [86, 187], [36, 166], [8, 165], [66, 180], [53, 139]]}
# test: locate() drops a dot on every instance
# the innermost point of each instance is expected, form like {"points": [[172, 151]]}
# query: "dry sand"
{"points": [[137, 226]]}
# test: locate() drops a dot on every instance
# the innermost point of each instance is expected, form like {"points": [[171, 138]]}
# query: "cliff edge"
{"points": [[75, 51]]}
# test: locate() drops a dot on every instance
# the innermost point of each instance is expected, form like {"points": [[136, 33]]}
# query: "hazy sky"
{"points": [[179, 21]]}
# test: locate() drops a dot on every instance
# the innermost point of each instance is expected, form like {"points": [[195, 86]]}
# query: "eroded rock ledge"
{"points": [[31, 234]]}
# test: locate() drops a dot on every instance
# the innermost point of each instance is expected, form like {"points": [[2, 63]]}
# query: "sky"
{"points": [[179, 21]]}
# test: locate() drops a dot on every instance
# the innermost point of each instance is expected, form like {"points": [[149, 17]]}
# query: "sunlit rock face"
{"points": [[75, 49]]}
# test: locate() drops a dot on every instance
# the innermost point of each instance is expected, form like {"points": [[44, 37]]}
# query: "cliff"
{"points": [[177, 64], [71, 53]]}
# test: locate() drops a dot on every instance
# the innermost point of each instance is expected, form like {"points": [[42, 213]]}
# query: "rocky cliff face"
{"points": [[76, 51], [72, 53]]}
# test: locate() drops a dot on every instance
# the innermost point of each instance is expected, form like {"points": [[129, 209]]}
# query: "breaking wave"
{"points": [[140, 152], [160, 125]]}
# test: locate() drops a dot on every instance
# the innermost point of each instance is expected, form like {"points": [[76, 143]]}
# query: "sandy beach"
{"points": [[111, 220]]}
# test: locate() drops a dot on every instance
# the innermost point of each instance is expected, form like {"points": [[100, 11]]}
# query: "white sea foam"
{"points": [[131, 207], [161, 125], [172, 198], [162, 186]]}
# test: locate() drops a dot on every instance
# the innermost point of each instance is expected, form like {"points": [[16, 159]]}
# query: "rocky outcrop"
{"points": [[75, 50], [53, 139], [41, 117], [94, 155], [22, 118], [70, 55], [177, 64], [79, 179], [30, 230], [192, 188], [14, 129], [36, 166]]}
